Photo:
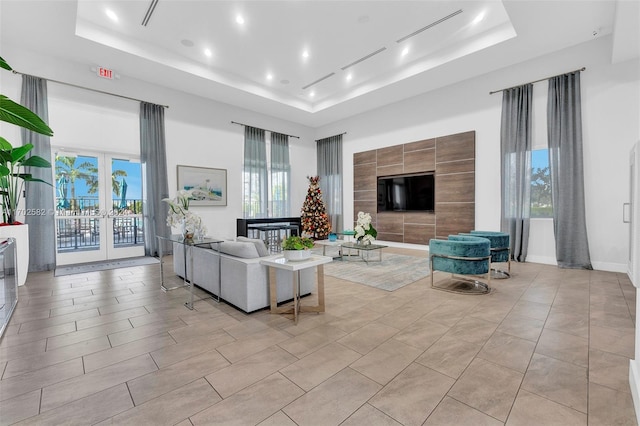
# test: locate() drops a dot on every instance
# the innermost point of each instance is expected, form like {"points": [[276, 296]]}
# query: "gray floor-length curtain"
{"points": [[255, 186], [515, 142], [280, 175], [153, 156], [564, 127], [329, 157], [39, 197]]}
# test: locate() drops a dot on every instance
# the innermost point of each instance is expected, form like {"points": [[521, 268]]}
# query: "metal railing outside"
{"points": [[78, 223]]}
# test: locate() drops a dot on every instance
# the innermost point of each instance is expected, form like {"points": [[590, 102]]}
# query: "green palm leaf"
{"points": [[36, 161], [19, 152], [5, 144], [15, 113], [5, 65]]}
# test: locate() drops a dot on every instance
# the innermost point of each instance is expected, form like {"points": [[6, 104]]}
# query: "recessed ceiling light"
{"points": [[478, 18], [239, 20], [112, 15], [186, 43], [312, 94], [208, 53], [349, 77], [405, 51], [305, 54], [269, 76]]}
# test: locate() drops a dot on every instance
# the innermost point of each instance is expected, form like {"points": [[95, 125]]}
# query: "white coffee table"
{"points": [[295, 267]]}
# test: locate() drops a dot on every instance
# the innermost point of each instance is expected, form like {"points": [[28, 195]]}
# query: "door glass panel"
{"points": [[126, 197], [98, 207], [77, 203]]}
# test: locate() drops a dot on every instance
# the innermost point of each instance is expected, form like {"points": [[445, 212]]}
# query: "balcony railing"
{"points": [[78, 223]]}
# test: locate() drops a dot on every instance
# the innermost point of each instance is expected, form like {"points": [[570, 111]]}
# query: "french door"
{"points": [[98, 207]]}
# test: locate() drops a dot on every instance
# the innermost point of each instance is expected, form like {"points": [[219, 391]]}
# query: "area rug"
{"points": [[104, 266], [395, 271]]}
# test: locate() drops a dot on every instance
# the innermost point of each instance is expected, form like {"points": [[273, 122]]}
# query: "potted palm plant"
{"points": [[13, 174]]}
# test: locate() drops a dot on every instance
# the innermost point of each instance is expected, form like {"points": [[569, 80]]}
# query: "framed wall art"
{"points": [[208, 186]]}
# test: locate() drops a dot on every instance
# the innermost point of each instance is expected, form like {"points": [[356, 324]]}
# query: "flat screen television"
{"points": [[406, 193]]}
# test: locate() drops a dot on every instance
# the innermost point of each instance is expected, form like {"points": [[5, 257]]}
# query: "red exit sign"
{"points": [[105, 73]]}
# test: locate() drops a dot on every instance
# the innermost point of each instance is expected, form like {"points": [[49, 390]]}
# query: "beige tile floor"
{"points": [[546, 347]]}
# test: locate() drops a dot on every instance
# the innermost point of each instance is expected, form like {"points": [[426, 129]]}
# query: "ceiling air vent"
{"points": [[147, 15], [364, 58], [431, 25], [318, 80]]}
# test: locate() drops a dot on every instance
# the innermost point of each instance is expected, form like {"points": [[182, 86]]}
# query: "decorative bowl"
{"points": [[296, 255]]}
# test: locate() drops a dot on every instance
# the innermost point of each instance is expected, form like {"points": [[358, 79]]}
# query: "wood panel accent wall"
{"points": [[451, 157]]}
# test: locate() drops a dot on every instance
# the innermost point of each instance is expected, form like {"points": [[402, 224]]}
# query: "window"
{"points": [[266, 175], [329, 161], [541, 206], [279, 172]]}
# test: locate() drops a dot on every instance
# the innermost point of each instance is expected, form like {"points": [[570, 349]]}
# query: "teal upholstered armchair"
{"points": [[466, 258], [500, 251]]}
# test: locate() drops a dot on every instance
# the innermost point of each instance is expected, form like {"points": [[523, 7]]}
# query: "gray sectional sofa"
{"points": [[245, 283]]}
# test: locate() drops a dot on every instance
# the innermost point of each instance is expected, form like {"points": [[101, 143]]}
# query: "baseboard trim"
{"points": [[545, 260], [634, 381], [423, 247], [610, 267], [598, 266]]}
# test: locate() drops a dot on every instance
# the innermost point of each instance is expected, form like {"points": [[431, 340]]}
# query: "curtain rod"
{"points": [[272, 131], [88, 88], [339, 134], [537, 81]]}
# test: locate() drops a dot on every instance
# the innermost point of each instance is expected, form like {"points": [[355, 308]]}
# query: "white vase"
{"points": [[21, 234], [296, 255]]}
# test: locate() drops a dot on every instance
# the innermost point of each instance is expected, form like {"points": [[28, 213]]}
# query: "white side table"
{"points": [[295, 268]]}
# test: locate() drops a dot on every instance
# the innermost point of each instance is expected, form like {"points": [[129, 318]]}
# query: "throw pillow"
{"points": [[260, 246], [239, 249]]}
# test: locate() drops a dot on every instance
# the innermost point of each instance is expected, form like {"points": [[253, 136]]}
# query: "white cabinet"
{"points": [[632, 216]]}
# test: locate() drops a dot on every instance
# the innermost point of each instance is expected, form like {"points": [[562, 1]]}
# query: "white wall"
{"points": [[611, 109], [199, 132]]}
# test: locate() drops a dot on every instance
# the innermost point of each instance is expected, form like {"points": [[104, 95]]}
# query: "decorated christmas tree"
{"points": [[315, 222]]}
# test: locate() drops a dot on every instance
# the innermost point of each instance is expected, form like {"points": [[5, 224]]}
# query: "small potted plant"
{"points": [[297, 248]]}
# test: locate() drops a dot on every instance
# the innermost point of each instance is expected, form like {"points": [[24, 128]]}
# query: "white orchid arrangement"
{"points": [[180, 215], [364, 231]]}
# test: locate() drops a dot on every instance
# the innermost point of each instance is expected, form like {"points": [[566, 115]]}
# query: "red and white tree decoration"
{"points": [[315, 222]]}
